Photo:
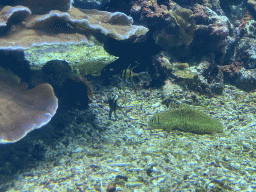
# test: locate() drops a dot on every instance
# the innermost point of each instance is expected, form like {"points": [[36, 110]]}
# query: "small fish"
{"points": [[113, 106], [155, 120]]}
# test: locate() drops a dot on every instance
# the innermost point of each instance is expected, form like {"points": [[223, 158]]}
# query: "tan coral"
{"points": [[22, 111], [57, 27]]}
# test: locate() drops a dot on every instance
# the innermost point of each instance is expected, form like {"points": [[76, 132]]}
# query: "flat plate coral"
{"points": [[22, 111], [21, 29]]}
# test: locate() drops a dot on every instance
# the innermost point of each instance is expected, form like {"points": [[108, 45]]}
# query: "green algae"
{"points": [[183, 19], [185, 74], [187, 119], [81, 57]]}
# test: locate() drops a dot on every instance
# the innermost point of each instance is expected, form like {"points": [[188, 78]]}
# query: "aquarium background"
{"points": [[127, 96]]}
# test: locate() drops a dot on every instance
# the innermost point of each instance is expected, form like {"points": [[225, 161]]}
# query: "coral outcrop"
{"points": [[22, 110], [179, 30], [211, 34], [20, 29], [172, 24]]}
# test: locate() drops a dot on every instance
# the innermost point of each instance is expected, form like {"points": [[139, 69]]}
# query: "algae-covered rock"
{"points": [[82, 57], [180, 30], [186, 119]]}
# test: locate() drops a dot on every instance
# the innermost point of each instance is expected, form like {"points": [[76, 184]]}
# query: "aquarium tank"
{"points": [[128, 95]]}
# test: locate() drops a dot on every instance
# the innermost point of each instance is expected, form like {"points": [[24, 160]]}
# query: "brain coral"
{"points": [[22, 111], [185, 119]]}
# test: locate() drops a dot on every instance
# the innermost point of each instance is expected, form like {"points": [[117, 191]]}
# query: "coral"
{"points": [[23, 30], [179, 31], [161, 69], [219, 30], [246, 79], [246, 28], [185, 118], [151, 9], [230, 71], [246, 50], [206, 79], [22, 111], [136, 10], [211, 34], [250, 28], [189, 79], [9, 12], [214, 78], [241, 72], [200, 14]]}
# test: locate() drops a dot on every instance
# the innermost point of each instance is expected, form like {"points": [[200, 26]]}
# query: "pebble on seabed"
{"points": [[129, 148]]}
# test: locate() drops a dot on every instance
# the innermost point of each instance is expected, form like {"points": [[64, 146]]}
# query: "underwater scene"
{"points": [[127, 95]]}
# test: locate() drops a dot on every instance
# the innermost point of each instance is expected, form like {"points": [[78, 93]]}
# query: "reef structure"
{"points": [[24, 29], [25, 25], [21, 29]]}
